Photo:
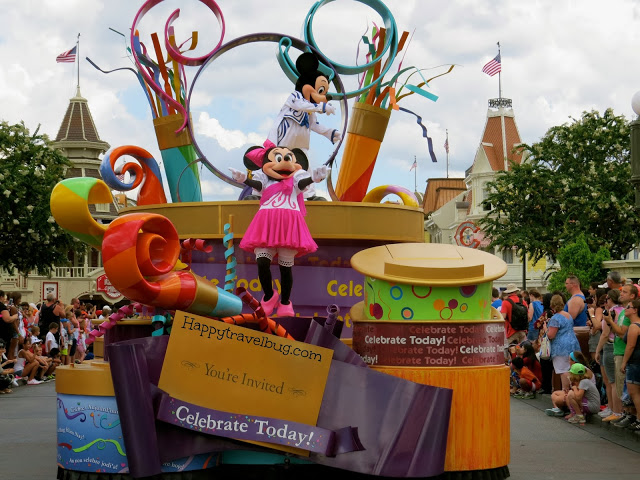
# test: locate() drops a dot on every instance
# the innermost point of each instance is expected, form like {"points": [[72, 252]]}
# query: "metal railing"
{"points": [[73, 272]]}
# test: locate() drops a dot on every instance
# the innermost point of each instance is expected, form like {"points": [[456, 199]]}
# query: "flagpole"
{"points": [[447, 153], [415, 174], [78, 60], [499, 75]]}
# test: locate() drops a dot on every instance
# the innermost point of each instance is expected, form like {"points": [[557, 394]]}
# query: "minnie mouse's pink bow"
{"points": [[257, 154]]}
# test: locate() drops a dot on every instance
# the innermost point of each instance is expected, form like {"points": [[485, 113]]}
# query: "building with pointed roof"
{"points": [[454, 220], [79, 141]]}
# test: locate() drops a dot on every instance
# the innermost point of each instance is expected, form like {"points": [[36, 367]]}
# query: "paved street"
{"points": [[542, 448]]}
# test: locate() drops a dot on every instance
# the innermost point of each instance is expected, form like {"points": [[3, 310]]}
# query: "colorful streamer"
{"points": [[102, 444], [75, 415], [424, 133]]}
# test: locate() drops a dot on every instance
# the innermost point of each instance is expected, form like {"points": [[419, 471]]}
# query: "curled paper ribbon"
{"points": [[432, 154], [213, 6], [111, 322]]}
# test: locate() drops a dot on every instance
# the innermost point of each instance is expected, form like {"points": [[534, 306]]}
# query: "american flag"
{"points": [[493, 67], [446, 145], [415, 165], [67, 57]]}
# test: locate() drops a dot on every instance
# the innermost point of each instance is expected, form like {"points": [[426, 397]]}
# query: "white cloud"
{"points": [[562, 59], [227, 139]]}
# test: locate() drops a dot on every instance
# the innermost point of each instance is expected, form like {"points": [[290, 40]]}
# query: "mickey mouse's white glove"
{"points": [[337, 136], [329, 109], [320, 173], [237, 175]]}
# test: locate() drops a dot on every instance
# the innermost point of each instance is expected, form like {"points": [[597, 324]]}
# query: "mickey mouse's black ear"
{"points": [[307, 63], [301, 158]]}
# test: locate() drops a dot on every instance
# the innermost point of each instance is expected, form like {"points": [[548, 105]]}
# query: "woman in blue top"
{"points": [[535, 310], [563, 340]]}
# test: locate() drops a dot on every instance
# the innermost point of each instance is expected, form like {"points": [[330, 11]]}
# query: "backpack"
{"points": [[519, 315]]}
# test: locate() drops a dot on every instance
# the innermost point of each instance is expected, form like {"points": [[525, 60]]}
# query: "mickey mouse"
{"points": [[298, 115], [278, 228]]}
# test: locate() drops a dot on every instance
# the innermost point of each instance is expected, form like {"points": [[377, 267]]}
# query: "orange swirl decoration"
{"points": [[145, 175], [140, 251]]}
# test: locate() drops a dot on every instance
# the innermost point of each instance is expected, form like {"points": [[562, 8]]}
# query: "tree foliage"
{"points": [[578, 259], [574, 181], [29, 169]]}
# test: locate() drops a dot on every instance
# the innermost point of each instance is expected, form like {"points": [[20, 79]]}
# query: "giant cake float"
{"points": [[225, 388]]}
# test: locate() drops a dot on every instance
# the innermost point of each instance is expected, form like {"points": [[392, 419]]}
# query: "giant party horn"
{"points": [[366, 130], [140, 251], [69, 202]]}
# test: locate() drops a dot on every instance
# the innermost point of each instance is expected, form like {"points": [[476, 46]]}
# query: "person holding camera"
{"points": [[604, 356], [619, 327]]}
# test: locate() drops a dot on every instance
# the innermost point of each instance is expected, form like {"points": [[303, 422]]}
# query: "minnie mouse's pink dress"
{"points": [[280, 221]]}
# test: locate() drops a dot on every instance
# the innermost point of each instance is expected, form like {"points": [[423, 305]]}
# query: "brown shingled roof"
{"points": [[77, 124], [493, 135], [440, 191]]}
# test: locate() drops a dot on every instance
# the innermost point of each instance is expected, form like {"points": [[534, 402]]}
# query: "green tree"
{"points": [[574, 181], [579, 260], [29, 169]]}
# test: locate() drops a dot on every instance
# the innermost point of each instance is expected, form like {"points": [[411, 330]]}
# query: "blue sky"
{"points": [[559, 59]]}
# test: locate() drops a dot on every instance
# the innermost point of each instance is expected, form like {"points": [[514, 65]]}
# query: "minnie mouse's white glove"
{"points": [[329, 109], [320, 173], [237, 175]]}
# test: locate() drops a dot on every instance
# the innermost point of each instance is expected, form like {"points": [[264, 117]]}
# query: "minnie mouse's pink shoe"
{"points": [[269, 305], [286, 310]]}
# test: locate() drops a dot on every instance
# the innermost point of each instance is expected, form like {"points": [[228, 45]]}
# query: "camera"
{"points": [[605, 312]]}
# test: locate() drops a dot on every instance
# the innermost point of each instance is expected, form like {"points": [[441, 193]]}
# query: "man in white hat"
{"points": [[513, 307]]}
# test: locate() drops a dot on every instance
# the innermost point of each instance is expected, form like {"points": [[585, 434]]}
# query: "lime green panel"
{"points": [[392, 301]]}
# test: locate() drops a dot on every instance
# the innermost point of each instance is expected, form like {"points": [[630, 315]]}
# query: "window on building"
{"points": [[102, 207], [485, 194], [507, 255]]}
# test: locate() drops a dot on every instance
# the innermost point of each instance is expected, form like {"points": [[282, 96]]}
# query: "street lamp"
{"points": [[635, 147]]}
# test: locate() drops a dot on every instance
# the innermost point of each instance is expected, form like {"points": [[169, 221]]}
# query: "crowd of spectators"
{"points": [[599, 375], [36, 339]]}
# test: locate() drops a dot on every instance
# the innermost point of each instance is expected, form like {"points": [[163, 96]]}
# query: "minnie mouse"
{"points": [[279, 227]]}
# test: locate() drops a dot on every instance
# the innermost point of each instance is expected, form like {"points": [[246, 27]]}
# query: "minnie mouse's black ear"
{"points": [[248, 162], [301, 158], [307, 63]]}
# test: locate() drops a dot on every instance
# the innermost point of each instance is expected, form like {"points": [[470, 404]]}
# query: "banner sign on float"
{"points": [[252, 428], [224, 367], [430, 344]]}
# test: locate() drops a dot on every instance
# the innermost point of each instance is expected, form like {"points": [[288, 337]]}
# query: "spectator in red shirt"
{"points": [[513, 336]]}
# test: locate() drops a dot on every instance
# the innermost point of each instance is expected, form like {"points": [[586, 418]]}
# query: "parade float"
{"points": [[196, 378]]}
